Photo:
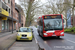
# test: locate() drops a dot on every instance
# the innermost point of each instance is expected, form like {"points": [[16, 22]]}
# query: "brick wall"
{"points": [[10, 25], [16, 15]]}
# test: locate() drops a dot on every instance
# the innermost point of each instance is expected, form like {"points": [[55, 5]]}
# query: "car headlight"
{"points": [[45, 34], [62, 33], [18, 34], [30, 35]]}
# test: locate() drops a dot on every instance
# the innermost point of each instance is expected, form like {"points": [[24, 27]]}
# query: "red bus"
{"points": [[51, 25]]}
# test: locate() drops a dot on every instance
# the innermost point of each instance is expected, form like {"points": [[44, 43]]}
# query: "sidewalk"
{"points": [[24, 45], [5, 34], [7, 39]]}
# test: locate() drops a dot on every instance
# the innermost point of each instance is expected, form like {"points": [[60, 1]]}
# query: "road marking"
{"points": [[70, 41], [36, 41]]}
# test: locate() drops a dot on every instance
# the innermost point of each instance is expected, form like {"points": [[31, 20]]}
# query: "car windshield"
{"points": [[24, 30], [52, 24]]}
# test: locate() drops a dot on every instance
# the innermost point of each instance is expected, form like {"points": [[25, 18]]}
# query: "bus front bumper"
{"points": [[50, 35]]}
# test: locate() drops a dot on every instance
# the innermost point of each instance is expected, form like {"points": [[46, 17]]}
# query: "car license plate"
{"points": [[53, 35], [24, 37]]}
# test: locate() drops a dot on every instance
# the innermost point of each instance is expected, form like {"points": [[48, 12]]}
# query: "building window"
{"points": [[3, 27], [8, 1], [6, 24], [6, 8], [16, 14]]}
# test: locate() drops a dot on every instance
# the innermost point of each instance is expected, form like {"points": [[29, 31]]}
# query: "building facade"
{"points": [[9, 16], [21, 17]]}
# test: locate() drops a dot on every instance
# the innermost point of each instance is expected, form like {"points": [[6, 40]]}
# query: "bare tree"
{"points": [[30, 7], [59, 7]]}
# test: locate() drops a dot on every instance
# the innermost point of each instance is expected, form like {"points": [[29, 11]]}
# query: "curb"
{"points": [[39, 47], [9, 46]]}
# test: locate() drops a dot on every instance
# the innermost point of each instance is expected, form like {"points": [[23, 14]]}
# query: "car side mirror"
{"points": [[32, 31], [16, 30]]}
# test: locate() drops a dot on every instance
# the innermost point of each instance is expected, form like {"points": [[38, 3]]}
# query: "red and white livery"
{"points": [[51, 25]]}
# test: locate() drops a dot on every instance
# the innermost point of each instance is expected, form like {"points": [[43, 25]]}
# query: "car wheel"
{"points": [[30, 40], [16, 40]]}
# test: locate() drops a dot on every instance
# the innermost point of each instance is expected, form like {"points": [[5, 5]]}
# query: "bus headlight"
{"points": [[62, 32], [45, 34]]}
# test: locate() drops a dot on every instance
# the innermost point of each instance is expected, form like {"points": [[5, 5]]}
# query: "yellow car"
{"points": [[24, 33]]}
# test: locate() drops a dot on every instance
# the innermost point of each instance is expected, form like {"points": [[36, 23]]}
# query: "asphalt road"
{"points": [[52, 43]]}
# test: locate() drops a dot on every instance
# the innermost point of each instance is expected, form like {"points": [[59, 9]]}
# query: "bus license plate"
{"points": [[53, 35]]}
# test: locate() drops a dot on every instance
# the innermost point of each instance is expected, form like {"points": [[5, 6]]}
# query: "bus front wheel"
{"points": [[58, 36]]}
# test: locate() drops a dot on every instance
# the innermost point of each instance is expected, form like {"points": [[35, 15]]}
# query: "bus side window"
{"points": [[41, 22]]}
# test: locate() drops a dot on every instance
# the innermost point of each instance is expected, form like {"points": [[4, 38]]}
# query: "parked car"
{"points": [[24, 33]]}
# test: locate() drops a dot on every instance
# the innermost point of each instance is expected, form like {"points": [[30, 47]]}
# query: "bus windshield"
{"points": [[52, 24]]}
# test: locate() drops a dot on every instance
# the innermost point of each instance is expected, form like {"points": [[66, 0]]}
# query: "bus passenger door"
{"points": [[41, 27]]}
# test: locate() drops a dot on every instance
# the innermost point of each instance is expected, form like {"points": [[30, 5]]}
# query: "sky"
{"points": [[17, 1]]}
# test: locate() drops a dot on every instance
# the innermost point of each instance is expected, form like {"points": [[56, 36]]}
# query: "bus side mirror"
{"points": [[63, 20], [42, 20]]}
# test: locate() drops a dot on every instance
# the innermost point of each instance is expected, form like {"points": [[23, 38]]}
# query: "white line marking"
{"points": [[70, 41], [36, 41]]}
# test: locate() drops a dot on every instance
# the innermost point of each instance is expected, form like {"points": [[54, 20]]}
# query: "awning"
{"points": [[10, 18], [4, 12]]}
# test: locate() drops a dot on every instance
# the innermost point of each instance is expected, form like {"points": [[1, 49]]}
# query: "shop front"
{"points": [[3, 20]]}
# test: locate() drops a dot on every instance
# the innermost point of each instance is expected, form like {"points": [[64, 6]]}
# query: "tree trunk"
{"points": [[29, 13], [73, 15]]}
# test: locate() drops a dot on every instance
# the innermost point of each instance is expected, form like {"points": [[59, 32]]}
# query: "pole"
{"points": [[12, 14]]}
